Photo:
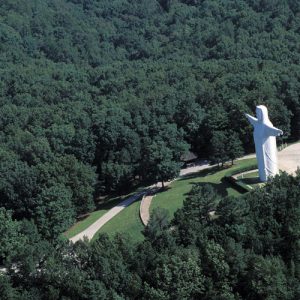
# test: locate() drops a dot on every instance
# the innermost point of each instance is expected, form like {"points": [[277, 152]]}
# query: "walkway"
{"points": [[144, 209], [145, 206], [289, 159], [92, 229], [147, 199]]}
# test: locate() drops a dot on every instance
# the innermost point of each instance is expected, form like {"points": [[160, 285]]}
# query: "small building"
{"points": [[188, 158]]}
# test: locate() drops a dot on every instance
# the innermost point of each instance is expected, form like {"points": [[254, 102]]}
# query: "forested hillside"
{"points": [[247, 249], [99, 95]]}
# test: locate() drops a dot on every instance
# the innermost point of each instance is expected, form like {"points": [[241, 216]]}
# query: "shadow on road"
{"points": [[205, 172]]}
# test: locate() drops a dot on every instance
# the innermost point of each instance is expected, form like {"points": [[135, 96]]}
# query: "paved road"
{"points": [[144, 210], [204, 165], [93, 228], [289, 158], [147, 199]]}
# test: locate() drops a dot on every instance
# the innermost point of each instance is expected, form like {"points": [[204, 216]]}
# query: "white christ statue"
{"points": [[265, 143]]}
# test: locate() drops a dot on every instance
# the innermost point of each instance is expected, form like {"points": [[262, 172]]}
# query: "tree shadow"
{"points": [[220, 188], [162, 190], [206, 172], [102, 205], [110, 203]]}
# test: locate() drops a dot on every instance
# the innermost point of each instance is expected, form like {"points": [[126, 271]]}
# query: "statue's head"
{"points": [[262, 113]]}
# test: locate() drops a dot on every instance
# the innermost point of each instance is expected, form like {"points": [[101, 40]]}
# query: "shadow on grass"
{"points": [[162, 190], [111, 200], [110, 203], [253, 180], [220, 188], [233, 185], [102, 205]]}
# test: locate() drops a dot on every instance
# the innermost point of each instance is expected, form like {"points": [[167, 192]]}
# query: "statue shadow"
{"points": [[253, 180]]}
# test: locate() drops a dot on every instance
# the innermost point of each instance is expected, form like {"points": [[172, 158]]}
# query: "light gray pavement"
{"points": [[147, 199], [289, 158], [93, 228], [145, 207]]}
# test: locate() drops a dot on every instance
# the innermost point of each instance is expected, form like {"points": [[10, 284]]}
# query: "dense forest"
{"points": [[250, 251], [97, 96]]}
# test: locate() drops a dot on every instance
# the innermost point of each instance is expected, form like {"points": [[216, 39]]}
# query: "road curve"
{"points": [[144, 209], [93, 228], [289, 159], [147, 199]]}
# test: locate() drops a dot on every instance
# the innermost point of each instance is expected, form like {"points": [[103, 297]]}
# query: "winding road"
{"points": [[289, 160], [92, 229], [144, 209]]}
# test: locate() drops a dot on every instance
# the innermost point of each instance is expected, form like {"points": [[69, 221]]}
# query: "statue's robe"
{"points": [[265, 143]]}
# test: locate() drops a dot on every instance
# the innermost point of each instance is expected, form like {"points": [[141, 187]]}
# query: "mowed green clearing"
{"points": [[253, 174], [172, 198], [95, 215], [127, 221]]}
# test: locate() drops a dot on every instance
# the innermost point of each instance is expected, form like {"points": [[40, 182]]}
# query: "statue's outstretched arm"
{"points": [[251, 119], [273, 131]]}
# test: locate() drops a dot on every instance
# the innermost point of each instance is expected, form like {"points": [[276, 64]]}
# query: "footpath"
{"points": [[93, 228], [144, 208], [289, 160]]}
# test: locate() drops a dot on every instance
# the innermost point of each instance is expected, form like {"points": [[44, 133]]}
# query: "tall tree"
{"points": [[161, 164], [218, 144], [234, 146]]}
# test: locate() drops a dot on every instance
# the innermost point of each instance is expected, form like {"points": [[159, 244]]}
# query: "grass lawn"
{"points": [[172, 198], [95, 215], [127, 221], [251, 180], [253, 174]]}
